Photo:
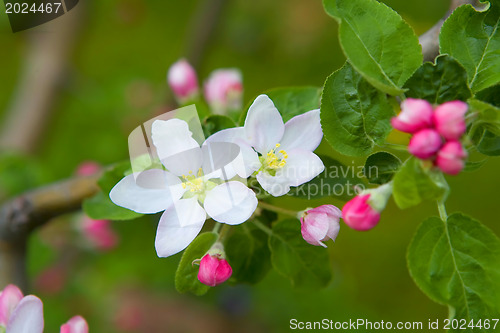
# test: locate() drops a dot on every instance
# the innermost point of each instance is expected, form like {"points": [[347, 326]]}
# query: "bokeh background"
{"points": [[111, 69]]}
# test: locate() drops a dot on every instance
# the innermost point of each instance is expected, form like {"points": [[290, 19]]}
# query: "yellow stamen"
{"points": [[272, 161]]}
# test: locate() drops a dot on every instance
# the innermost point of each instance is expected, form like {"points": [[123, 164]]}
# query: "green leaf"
{"points": [[186, 276], [113, 175], [413, 184], [474, 165], [248, 253], [457, 263], [489, 144], [488, 118], [378, 43], [100, 206], [337, 180], [381, 167], [291, 101], [490, 95], [215, 123], [303, 264], [354, 115], [330, 7], [444, 81], [473, 38]]}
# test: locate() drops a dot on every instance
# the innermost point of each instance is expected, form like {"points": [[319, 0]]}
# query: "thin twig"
{"points": [[430, 39]]}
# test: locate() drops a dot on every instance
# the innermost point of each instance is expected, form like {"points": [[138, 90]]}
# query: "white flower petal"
{"points": [[231, 203], [302, 132], [184, 163], [148, 192], [301, 166], [175, 146], [264, 126], [248, 161], [233, 135], [178, 226], [277, 185], [217, 157], [27, 317]]}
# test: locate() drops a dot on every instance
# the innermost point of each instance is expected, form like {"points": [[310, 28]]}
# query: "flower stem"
{"points": [[263, 227], [278, 210], [223, 232], [442, 211], [217, 227]]}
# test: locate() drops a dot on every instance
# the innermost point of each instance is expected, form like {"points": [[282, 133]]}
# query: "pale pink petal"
{"points": [[9, 299], [264, 126], [148, 192], [302, 132], [231, 203], [314, 229], [77, 324], [27, 317], [178, 226]]}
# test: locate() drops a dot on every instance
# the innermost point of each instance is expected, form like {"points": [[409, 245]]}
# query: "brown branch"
{"points": [[430, 39], [44, 68], [23, 214], [202, 27]]}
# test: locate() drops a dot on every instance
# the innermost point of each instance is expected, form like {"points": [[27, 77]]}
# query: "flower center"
{"points": [[196, 186], [274, 160]]}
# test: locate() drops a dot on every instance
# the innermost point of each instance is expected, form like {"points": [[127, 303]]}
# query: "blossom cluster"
{"points": [[21, 314], [201, 180], [209, 180], [436, 133]]}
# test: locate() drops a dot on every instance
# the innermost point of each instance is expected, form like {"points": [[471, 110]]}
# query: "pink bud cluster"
{"points": [[436, 132], [223, 90]]}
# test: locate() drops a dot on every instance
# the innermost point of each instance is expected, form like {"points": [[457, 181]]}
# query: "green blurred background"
{"points": [[115, 80]]}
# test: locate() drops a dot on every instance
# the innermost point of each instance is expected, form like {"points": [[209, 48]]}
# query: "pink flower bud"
{"points": [[416, 114], [363, 211], [451, 158], [88, 168], [75, 325], [99, 233], [224, 90], [9, 299], [214, 269], [320, 224], [359, 215], [449, 119], [425, 143], [52, 279], [183, 81]]}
